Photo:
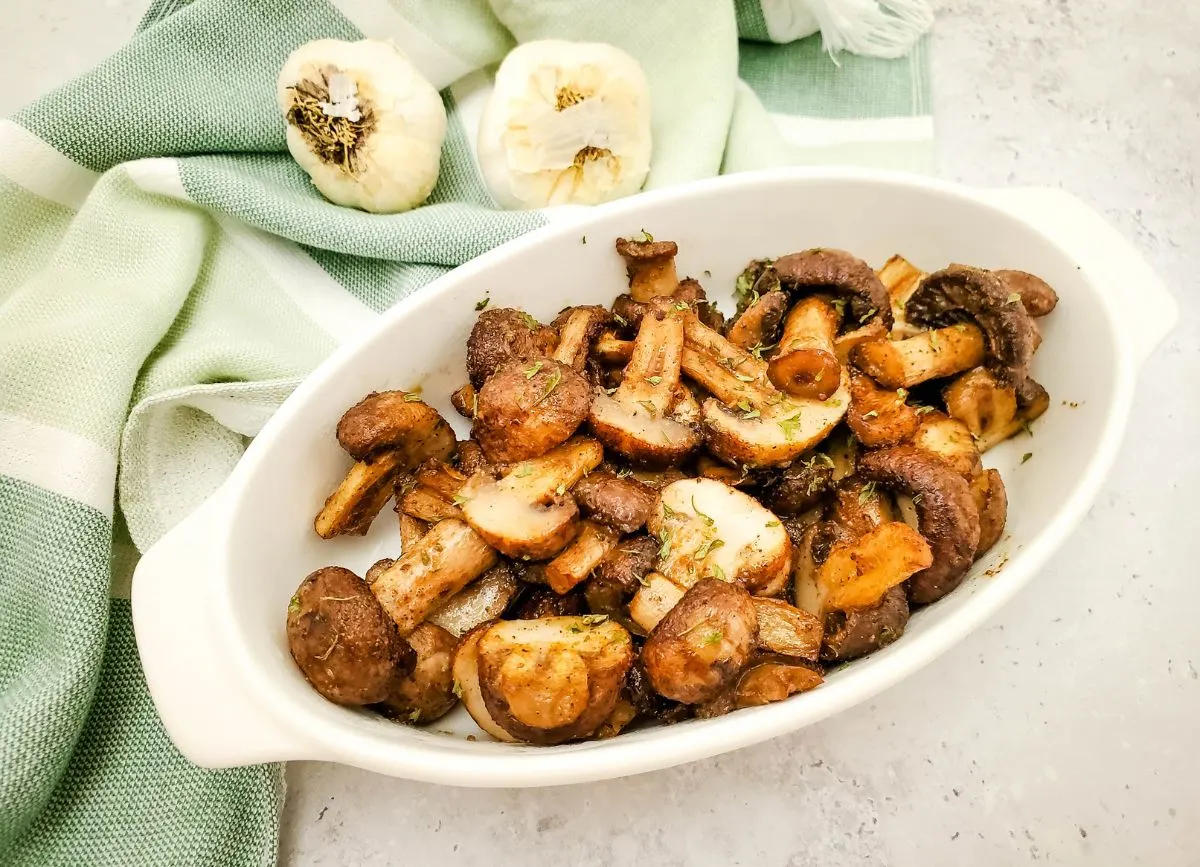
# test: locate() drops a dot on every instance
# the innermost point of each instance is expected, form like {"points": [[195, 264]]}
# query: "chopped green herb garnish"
{"points": [[460, 500], [594, 619], [551, 384], [712, 638], [457, 688], [696, 509], [523, 470], [741, 377], [668, 512], [664, 550], [530, 323], [680, 306], [872, 414], [649, 406], [1014, 298], [717, 571], [921, 410], [479, 305], [933, 340], [707, 548], [533, 369], [654, 380], [646, 236], [620, 319], [866, 494], [790, 426], [1025, 457], [411, 397], [583, 239], [772, 524], [294, 604], [863, 319], [560, 490], [902, 393]]}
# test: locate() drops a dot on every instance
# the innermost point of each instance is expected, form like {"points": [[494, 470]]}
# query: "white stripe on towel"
{"points": [[33, 165], [58, 461]]}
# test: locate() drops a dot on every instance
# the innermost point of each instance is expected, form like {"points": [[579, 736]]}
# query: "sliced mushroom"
{"points": [[448, 558], [992, 501], [855, 633], [465, 668], [879, 416], [900, 278], [465, 400], [528, 513], [502, 335], [619, 575], [411, 531], [360, 496], [611, 349], [433, 493], [959, 293], [851, 277], [949, 440], [708, 529], [426, 693], [657, 595], [768, 679], [342, 640], [758, 324], [787, 630], [482, 600], [376, 569], [399, 421], [845, 344], [1037, 296], [748, 421], [555, 679], [991, 410], [927, 355], [591, 544], [536, 603], [946, 514], [577, 328], [858, 507], [857, 574], [623, 713], [702, 643], [527, 408], [622, 503], [471, 459], [650, 266], [805, 364], [637, 421]]}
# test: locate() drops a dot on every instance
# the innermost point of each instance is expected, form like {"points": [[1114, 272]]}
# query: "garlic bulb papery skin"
{"points": [[363, 122], [567, 123]]}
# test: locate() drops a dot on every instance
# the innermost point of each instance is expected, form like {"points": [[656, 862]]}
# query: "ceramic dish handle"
{"points": [[204, 709], [1148, 312]]}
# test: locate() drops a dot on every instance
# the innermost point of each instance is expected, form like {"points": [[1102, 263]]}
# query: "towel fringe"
{"points": [[873, 28]]}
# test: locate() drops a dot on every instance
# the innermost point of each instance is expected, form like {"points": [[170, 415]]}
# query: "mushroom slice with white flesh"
{"points": [[591, 544], [411, 531], [553, 679], [924, 356], [465, 668], [857, 574], [611, 349], [360, 496], [947, 516], [446, 559], [657, 595], [748, 421], [482, 600], [395, 421], [991, 410], [708, 529], [650, 266], [702, 643], [805, 364], [528, 513], [637, 419], [900, 278]]}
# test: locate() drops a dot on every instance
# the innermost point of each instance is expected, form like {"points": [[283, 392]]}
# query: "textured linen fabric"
{"points": [[168, 274]]}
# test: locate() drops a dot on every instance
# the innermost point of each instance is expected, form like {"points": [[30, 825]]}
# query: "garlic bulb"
{"points": [[363, 122], [567, 123]]}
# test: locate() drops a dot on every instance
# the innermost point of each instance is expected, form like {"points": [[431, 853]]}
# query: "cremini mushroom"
{"points": [[990, 410], [426, 693], [650, 265], [949, 440], [799, 486], [575, 563], [900, 278], [879, 416], [620, 502], [947, 516], [1037, 296], [502, 335], [577, 328], [639, 420], [992, 501], [758, 324], [528, 513], [396, 420], [859, 631], [484, 599], [787, 630], [847, 276], [805, 364], [924, 356], [527, 408], [360, 496]]}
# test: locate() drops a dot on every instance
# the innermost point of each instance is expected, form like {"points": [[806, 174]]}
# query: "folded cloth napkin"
{"points": [[168, 274]]}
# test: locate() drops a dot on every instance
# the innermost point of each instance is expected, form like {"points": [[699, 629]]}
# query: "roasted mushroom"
{"points": [[708, 529], [900, 278], [591, 544], [959, 294], [577, 328], [759, 323], [638, 421], [650, 265], [924, 356], [425, 693], [395, 420], [619, 575], [1037, 296], [528, 513], [657, 595], [766, 679], [449, 557], [482, 600], [702, 643], [502, 335], [550, 680], [527, 408], [946, 514], [878, 416], [846, 275], [620, 502], [805, 365], [341, 639], [950, 440], [431, 492], [799, 486], [787, 630], [360, 496], [992, 501], [855, 633], [991, 410]]}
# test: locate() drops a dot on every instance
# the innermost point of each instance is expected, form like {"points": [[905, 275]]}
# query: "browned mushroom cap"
{"points": [[648, 702], [395, 420], [620, 574], [482, 600], [501, 335], [621, 503], [1037, 296], [821, 269], [798, 486], [855, 633], [471, 459], [651, 267], [528, 408], [959, 293], [629, 313], [946, 514], [342, 640], [758, 324], [427, 692], [703, 642], [464, 399], [992, 501]]}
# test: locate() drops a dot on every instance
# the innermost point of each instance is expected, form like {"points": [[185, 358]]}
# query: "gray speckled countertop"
{"points": [[1062, 731]]}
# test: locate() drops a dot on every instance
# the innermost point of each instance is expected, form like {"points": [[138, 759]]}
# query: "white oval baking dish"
{"points": [[210, 599]]}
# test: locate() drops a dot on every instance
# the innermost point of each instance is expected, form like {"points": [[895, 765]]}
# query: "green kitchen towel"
{"points": [[168, 274]]}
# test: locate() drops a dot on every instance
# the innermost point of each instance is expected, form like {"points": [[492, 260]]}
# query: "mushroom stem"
{"points": [[928, 355], [651, 267], [805, 364]]}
